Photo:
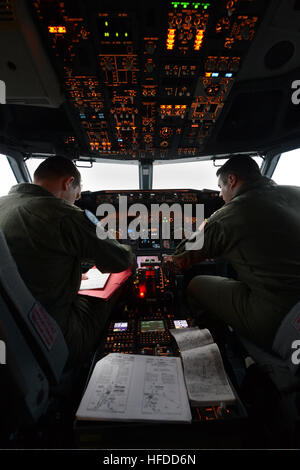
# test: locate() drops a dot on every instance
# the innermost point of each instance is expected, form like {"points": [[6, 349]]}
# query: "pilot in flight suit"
{"points": [[49, 238], [258, 232]]}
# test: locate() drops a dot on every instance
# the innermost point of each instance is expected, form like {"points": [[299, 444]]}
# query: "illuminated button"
{"points": [[57, 29]]}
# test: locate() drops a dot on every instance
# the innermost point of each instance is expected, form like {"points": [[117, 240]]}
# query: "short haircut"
{"points": [[243, 166], [57, 167]]}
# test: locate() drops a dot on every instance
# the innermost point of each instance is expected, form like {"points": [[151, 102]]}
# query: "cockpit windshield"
{"points": [[103, 176]]}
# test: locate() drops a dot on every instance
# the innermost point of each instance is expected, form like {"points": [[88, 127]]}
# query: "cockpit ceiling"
{"points": [[155, 80]]}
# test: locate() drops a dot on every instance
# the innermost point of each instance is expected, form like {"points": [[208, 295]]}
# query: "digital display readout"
{"points": [[144, 259], [153, 325], [120, 326], [180, 324]]}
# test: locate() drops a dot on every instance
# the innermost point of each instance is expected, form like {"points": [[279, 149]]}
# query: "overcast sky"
{"points": [[191, 175]]}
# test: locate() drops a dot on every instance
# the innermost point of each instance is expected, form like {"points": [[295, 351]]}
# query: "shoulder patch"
{"points": [[92, 218]]}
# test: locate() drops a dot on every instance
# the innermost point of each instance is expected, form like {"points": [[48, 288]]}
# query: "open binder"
{"points": [[129, 387]]}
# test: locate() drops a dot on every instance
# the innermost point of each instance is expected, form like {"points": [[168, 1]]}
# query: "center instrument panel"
{"points": [[153, 302], [152, 238]]}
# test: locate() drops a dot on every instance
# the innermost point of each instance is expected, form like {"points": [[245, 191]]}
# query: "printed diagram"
{"points": [[156, 401], [161, 391], [111, 392], [111, 397]]}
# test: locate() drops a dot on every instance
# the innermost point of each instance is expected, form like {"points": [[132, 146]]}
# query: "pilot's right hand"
{"points": [[180, 248], [167, 259], [182, 261]]}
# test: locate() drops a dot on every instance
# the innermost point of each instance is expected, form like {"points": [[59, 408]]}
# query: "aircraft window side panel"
{"points": [[287, 170], [7, 178]]}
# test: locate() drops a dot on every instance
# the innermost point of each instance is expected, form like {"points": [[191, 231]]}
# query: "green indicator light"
{"points": [[106, 23], [117, 34], [203, 5], [106, 35], [126, 34]]}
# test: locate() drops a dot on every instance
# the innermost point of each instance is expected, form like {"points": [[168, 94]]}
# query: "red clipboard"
{"points": [[114, 282]]}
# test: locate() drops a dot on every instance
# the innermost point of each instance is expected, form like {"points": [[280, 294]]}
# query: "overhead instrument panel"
{"points": [[146, 80]]}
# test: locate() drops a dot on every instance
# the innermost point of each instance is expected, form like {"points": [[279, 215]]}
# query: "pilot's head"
{"points": [[60, 176], [234, 173]]}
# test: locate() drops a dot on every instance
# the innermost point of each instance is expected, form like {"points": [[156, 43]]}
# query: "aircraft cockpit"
{"points": [[148, 100]]}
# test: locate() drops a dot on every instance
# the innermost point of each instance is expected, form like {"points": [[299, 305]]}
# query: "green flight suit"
{"points": [[49, 238], [258, 232]]}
